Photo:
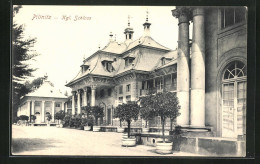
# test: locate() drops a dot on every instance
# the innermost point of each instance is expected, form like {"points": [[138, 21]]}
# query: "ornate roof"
{"points": [[46, 90]]}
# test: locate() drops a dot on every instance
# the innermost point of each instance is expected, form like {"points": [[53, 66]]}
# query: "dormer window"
{"points": [[129, 61], [84, 68], [165, 60], [108, 65]]}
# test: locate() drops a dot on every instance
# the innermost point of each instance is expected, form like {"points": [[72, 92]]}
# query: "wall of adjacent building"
{"points": [[222, 46]]}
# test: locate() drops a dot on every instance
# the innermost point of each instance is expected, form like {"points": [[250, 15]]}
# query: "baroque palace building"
{"points": [[208, 71]]}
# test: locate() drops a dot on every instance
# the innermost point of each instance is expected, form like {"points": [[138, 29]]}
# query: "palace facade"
{"points": [[208, 71]]}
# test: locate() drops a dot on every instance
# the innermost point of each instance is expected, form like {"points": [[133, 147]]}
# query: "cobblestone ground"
{"points": [[28, 140]]}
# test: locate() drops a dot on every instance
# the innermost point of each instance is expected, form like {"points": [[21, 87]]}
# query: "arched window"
{"points": [[47, 112], [236, 70], [37, 113]]}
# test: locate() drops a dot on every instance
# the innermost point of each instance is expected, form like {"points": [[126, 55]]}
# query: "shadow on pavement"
{"points": [[31, 144]]}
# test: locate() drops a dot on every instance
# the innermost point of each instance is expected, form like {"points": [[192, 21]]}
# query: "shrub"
{"points": [[67, 120], [59, 115], [33, 117], [97, 112]]}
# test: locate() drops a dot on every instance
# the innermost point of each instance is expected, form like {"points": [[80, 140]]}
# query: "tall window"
{"points": [[120, 99], [128, 88], [109, 91], [102, 93], [129, 61], [128, 98], [231, 16], [121, 89]]}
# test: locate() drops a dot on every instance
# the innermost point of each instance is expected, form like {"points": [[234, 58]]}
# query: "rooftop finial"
{"points": [[111, 36], [129, 17], [45, 76], [115, 37], [147, 13], [99, 46]]}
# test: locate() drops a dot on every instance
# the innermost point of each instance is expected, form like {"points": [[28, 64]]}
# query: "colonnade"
{"points": [[84, 98], [191, 74]]}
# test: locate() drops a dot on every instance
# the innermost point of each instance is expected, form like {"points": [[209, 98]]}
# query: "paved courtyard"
{"points": [[62, 141]]}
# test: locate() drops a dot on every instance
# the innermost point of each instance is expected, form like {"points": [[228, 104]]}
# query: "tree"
{"points": [[97, 112], [164, 104], [116, 115], [146, 112], [59, 115], [21, 53], [128, 112], [49, 117]]}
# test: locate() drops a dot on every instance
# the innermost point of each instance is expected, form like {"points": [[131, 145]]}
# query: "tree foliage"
{"points": [[127, 112], [97, 112], [59, 115], [163, 104], [22, 52]]}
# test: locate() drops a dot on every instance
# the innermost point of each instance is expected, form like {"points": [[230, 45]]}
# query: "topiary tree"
{"points": [[146, 112], [67, 120], [49, 117], [116, 115], [33, 117], [59, 115], [163, 104], [97, 112], [128, 112]]}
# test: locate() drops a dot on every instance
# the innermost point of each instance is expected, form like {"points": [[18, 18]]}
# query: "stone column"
{"points": [[78, 102], [66, 107], [85, 97], [29, 110], [43, 111], [53, 111], [198, 69], [93, 95], [33, 112], [183, 72], [62, 106], [73, 103]]}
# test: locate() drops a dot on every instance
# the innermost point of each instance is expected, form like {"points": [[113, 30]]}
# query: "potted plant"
{"points": [[166, 105], [59, 116], [33, 118], [120, 129], [97, 112], [23, 120], [128, 112], [87, 121], [146, 113], [49, 117]]}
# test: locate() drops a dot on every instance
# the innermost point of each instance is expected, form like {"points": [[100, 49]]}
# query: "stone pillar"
{"points": [[28, 112], [78, 102], [43, 111], [66, 107], [73, 103], [198, 69], [62, 106], [33, 112], [93, 95], [53, 111], [85, 97], [183, 72]]}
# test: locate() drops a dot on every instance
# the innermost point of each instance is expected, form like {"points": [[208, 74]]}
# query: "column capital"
{"points": [[85, 89], [73, 93], [182, 13], [93, 87], [43, 101]]}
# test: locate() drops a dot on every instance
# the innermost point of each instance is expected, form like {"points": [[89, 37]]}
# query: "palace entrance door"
{"points": [[234, 101]]}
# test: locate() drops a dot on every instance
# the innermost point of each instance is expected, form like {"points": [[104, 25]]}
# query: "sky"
{"points": [[64, 43]]}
